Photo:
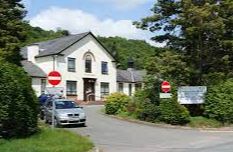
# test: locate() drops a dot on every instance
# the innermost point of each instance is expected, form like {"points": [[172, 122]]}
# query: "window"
{"points": [[43, 85], [71, 64], [104, 67], [104, 90], [71, 88], [138, 86], [130, 89], [120, 87], [88, 64]]}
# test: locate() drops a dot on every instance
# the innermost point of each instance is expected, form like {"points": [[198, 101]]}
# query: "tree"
{"points": [[124, 49], [169, 66], [200, 30], [37, 34], [11, 30]]}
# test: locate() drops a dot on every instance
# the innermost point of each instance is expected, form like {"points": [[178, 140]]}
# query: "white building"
{"points": [[88, 69]]}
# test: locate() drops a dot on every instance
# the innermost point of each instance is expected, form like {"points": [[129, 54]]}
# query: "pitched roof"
{"points": [[130, 75], [33, 70], [56, 46]]}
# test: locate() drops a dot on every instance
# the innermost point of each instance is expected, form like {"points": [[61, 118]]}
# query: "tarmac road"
{"points": [[113, 135]]}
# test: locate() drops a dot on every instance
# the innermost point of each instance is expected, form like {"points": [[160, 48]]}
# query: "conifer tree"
{"points": [[11, 30]]}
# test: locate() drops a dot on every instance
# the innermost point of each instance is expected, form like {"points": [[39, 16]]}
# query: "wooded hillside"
{"points": [[121, 48]]}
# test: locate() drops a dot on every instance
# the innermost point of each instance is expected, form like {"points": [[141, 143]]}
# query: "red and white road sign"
{"points": [[54, 78], [165, 87]]}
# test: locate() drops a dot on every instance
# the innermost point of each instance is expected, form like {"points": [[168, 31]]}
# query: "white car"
{"points": [[67, 112]]}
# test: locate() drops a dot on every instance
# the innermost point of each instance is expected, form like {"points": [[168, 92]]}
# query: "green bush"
{"points": [[18, 103], [116, 103], [219, 102], [143, 108], [172, 112], [150, 112]]}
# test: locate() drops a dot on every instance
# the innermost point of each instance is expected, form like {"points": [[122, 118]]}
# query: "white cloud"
{"points": [[77, 21], [125, 4]]}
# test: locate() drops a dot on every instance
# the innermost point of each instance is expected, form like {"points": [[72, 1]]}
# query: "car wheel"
{"points": [[83, 125]]}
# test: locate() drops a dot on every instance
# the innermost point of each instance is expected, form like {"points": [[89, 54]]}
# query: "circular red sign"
{"points": [[54, 78], [165, 86]]}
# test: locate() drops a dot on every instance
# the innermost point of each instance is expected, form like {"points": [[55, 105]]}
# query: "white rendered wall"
{"points": [[126, 88], [32, 51], [77, 51], [36, 85]]}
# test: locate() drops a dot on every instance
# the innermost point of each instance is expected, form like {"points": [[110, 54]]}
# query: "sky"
{"points": [[102, 17]]}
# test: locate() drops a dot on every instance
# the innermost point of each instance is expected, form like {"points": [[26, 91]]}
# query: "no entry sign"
{"points": [[54, 78], [165, 87]]}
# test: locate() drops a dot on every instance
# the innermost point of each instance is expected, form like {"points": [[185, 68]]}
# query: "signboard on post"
{"points": [[54, 78], [191, 94], [166, 88], [59, 91]]}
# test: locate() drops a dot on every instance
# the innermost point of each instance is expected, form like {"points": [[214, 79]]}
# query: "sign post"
{"points": [[54, 78], [166, 88]]}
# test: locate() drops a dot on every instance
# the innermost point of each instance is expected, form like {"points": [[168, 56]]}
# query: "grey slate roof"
{"points": [[130, 75], [33, 70], [56, 46]]}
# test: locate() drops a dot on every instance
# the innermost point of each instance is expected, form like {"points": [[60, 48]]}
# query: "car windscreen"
{"points": [[66, 104]]}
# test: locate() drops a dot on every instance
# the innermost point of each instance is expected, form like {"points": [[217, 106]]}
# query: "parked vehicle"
{"points": [[42, 99], [66, 112]]}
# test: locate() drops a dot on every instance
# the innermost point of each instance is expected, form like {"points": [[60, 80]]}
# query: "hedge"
{"points": [[219, 102], [18, 103]]}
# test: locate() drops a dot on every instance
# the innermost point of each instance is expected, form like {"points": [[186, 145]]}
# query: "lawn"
{"points": [[48, 140]]}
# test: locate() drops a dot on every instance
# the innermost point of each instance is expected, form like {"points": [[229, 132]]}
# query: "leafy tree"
{"points": [[200, 30], [37, 34], [11, 30], [124, 49], [169, 66]]}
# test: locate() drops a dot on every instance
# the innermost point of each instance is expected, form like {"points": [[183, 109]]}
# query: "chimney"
{"points": [[130, 64], [32, 51]]}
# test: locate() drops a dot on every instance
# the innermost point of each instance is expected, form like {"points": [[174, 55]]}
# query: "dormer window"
{"points": [[88, 64]]}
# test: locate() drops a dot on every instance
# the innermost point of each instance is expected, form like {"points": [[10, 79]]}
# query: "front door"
{"points": [[89, 89]]}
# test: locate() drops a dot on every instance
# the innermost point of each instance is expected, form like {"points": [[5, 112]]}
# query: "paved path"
{"points": [[114, 135]]}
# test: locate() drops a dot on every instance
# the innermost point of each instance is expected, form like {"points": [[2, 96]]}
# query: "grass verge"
{"points": [[48, 140], [195, 122], [202, 122]]}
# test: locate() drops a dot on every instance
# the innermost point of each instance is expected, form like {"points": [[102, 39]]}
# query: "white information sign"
{"points": [[55, 91], [191, 94], [165, 95]]}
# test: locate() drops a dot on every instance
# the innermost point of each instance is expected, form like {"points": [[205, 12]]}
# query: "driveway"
{"points": [[112, 135]]}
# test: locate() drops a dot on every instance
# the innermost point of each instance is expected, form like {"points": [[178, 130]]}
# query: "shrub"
{"points": [[172, 112], [219, 102], [115, 103], [18, 103], [143, 108], [150, 112]]}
